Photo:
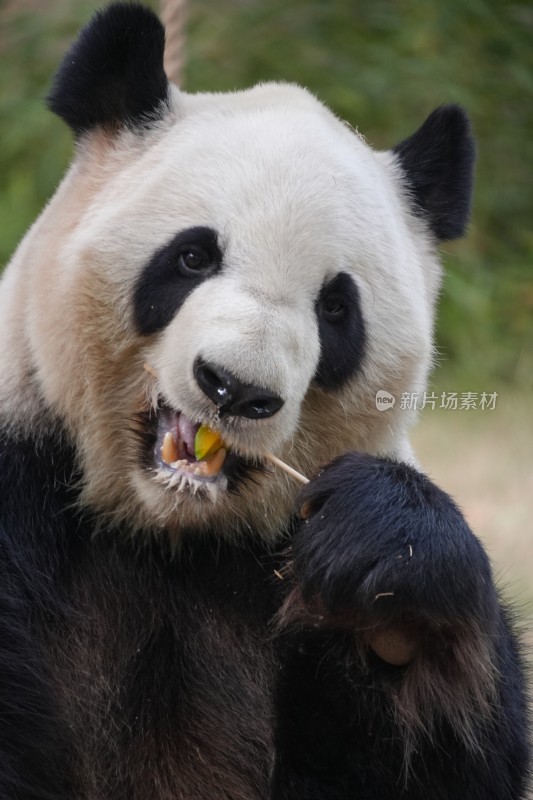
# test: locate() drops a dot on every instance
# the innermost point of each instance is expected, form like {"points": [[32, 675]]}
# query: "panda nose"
{"points": [[232, 396]]}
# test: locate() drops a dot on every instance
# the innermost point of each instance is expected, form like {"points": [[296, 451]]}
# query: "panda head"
{"points": [[272, 270]]}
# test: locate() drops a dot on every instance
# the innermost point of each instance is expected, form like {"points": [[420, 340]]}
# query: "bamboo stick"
{"points": [[282, 465]]}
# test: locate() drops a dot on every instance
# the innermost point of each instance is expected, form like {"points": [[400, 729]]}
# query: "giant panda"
{"points": [[202, 629]]}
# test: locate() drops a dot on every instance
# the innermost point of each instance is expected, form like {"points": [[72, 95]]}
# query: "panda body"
{"points": [[172, 633]]}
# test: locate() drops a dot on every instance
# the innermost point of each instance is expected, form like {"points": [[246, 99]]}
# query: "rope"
{"points": [[173, 16]]}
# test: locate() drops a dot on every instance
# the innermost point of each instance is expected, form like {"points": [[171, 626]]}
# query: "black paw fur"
{"points": [[382, 542]]}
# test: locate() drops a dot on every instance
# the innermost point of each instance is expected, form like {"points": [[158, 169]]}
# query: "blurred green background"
{"points": [[381, 64]]}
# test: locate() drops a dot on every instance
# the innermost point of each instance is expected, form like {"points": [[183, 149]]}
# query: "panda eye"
{"points": [[341, 331], [191, 257], [193, 260], [333, 309]]}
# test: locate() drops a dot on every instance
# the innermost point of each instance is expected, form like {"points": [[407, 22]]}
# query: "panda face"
{"points": [[252, 239], [266, 266]]}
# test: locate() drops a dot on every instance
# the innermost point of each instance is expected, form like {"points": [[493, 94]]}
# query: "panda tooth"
{"points": [[214, 465], [169, 449]]}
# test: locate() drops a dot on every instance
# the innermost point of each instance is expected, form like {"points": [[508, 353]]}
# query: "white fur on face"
{"points": [[295, 198]]}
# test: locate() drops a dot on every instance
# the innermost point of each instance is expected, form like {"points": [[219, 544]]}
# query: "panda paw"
{"points": [[384, 549]]}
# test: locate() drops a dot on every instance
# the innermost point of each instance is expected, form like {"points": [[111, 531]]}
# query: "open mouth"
{"points": [[186, 455], [177, 448], [184, 464]]}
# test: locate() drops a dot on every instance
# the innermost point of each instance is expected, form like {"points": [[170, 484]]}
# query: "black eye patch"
{"points": [[342, 332], [172, 273]]}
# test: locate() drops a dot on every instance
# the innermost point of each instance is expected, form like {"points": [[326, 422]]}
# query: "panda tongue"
{"points": [[187, 431]]}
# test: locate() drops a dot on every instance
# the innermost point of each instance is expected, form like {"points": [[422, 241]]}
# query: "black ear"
{"points": [[113, 73], [438, 161]]}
